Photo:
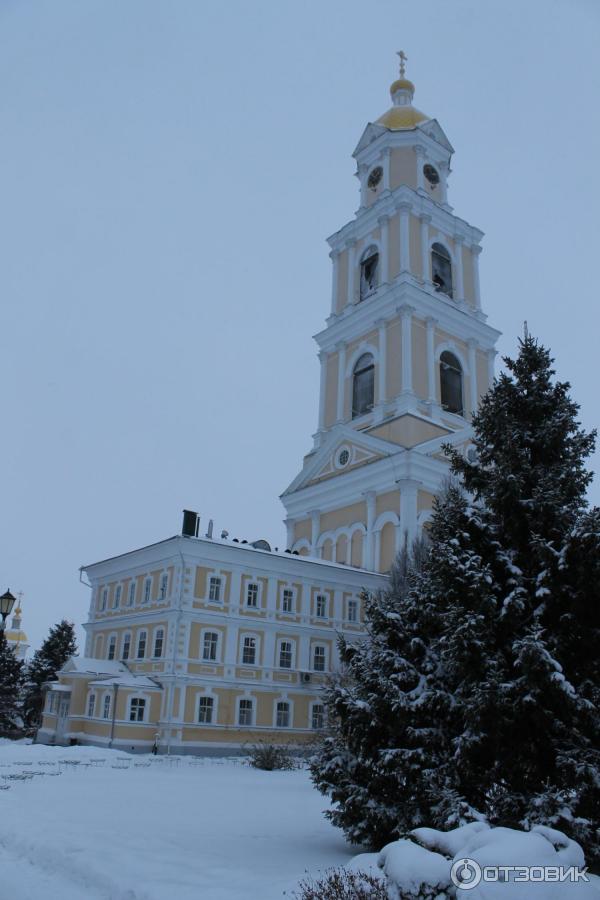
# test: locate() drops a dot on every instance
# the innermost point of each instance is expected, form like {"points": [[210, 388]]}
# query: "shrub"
{"points": [[270, 756], [343, 884]]}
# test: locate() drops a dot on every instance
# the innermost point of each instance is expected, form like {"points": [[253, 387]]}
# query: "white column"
{"points": [[334, 256], [459, 288], [315, 525], [406, 327], [425, 220], [386, 156], [420, 152], [382, 365], [491, 366], [362, 177], [409, 510], [431, 393], [290, 528], [475, 251], [351, 271], [341, 387], [369, 549], [444, 169], [472, 350], [404, 237], [377, 551], [322, 389], [384, 265]]}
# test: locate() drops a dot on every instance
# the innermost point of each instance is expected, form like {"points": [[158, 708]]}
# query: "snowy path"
{"points": [[159, 832]]}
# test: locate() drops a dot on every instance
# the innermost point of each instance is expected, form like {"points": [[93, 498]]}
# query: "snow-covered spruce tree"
{"points": [[58, 647], [476, 691], [11, 684], [538, 760]]}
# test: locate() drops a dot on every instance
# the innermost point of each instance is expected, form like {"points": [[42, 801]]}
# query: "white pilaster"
{"points": [[377, 551], [420, 153], [382, 365], [408, 511], [385, 249], [362, 177], [444, 170], [475, 251], [289, 527], [404, 237], [322, 388], [431, 393], [334, 256], [491, 366], [350, 247], [315, 523], [425, 220], [459, 287], [406, 329], [341, 386], [472, 350], [369, 549], [385, 161]]}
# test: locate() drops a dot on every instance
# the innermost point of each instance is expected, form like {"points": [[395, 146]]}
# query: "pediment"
{"points": [[370, 134], [433, 129]]}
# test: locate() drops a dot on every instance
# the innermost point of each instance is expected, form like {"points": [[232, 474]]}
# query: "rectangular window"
{"points": [[321, 606], [205, 710], [51, 703], [164, 585], [137, 709], [245, 712], [131, 598], [214, 589], [252, 595], [209, 646], [318, 716], [285, 655], [283, 715], [353, 610], [91, 705], [287, 601], [141, 646], [126, 646], [117, 600], [104, 599], [249, 651], [159, 637], [147, 589], [106, 707], [319, 659], [112, 646]]}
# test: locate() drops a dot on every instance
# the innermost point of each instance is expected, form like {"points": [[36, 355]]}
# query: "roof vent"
{"points": [[191, 523], [261, 545]]}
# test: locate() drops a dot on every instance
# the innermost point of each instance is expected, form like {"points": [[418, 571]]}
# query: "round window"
{"points": [[343, 458], [375, 177], [431, 174]]}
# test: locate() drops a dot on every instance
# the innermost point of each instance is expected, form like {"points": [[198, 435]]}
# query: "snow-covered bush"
{"points": [[343, 884], [270, 757]]}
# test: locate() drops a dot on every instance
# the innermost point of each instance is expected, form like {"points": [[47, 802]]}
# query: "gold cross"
{"points": [[403, 58]]}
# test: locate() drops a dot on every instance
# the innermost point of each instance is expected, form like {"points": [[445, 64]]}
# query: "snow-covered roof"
{"points": [[128, 681], [57, 686], [85, 665]]}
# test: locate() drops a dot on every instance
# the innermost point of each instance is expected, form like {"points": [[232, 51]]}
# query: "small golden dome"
{"points": [[402, 84]]}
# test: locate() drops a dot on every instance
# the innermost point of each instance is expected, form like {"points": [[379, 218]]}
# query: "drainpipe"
{"points": [[170, 699], [114, 713]]}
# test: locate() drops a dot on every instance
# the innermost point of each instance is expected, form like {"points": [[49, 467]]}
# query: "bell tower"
{"points": [[406, 352]]}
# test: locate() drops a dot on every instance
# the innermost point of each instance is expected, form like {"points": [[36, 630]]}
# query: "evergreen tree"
{"points": [[11, 685], [477, 691], [58, 647]]}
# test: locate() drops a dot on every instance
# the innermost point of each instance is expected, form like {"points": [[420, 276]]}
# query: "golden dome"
{"points": [[402, 84], [399, 118], [15, 637]]}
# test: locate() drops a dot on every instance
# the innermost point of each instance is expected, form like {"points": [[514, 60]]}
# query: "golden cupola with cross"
{"points": [[15, 636], [406, 352]]}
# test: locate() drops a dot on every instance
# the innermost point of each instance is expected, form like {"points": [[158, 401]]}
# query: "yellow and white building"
{"points": [[199, 643]]}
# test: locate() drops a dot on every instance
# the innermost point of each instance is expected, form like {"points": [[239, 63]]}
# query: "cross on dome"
{"points": [[403, 58]]}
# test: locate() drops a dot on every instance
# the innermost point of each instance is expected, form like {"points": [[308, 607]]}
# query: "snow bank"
{"points": [[424, 866]]}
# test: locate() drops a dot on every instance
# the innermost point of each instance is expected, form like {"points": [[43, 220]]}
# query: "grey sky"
{"points": [[170, 171]]}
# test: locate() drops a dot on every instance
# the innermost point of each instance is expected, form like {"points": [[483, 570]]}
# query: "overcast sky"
{"points": [[170, 171]]}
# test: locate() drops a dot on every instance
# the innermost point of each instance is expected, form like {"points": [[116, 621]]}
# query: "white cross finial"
{"points": [[403, 58]]}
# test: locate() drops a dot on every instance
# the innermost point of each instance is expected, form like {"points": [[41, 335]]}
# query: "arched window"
{"points": [[451, 383], [441, 269], [363, 386], [369, 271], [106, 707]]}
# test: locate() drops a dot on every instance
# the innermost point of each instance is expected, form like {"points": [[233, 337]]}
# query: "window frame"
{"points": [[363, 371], [366, 288], [321, 597], [214, 645], [131, 592], [314, 649], [288, 593], [141, 703], [215, 581], [445, 266], [91, 705], [455, 366], [147, 595], [155, 639], [117, 596], [212, 706], [163, 588], [256, 594], [313, 707], [139, 641], [251, 708], [106, 706], [254, 639], [111, 647], [353, 610], [290, 654], [287, 712], [126, 643], [103, 599]]}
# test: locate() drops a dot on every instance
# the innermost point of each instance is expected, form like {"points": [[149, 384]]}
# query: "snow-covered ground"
{"points": [[106, 826]]}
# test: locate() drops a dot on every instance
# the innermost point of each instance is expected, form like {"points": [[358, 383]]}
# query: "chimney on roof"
{"points": [[191, 523]]}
